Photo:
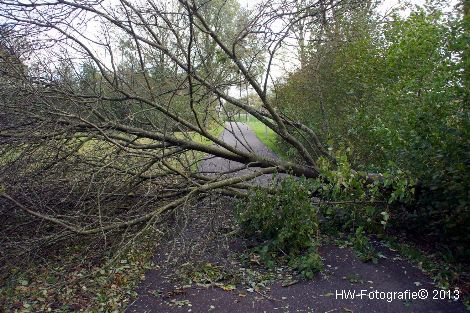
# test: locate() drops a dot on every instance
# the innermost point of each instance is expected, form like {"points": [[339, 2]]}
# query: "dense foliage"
{"points": [[392, 90], [286, 223]]}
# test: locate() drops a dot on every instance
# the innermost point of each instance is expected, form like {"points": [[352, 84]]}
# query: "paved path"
{"points": [[240, 136], [344, 274]]}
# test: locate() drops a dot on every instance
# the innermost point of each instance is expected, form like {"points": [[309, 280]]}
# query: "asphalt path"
{"points": [[393, 285], [240, 136]]}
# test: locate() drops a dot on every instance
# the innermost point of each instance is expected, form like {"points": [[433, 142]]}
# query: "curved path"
{"points": [[328, 292], [240, 136]]}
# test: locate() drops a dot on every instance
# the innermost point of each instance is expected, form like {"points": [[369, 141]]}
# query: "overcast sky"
{"points": [[287, 60]]}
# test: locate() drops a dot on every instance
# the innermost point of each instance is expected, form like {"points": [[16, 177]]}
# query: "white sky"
{"points": [[287, 59]]}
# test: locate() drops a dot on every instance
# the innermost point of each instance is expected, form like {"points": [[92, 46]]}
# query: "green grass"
{"points": [[98, 149], [9, 155], [193, 136], [266, 135]]}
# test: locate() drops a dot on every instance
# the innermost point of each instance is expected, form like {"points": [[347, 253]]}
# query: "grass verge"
{"points": [[264, 133]]}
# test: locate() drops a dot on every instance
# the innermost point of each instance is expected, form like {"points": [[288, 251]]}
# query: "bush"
{"points": [[286, 223], [396, 95]]}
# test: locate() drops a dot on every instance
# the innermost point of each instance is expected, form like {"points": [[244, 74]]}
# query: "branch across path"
{"points": [[331, 291], [239, 135]]}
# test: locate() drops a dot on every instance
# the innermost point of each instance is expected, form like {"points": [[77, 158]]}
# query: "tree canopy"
{"points": [[109, 108]]}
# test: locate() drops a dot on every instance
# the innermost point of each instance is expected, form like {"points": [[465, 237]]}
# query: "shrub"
{"points": [[286, 223]]}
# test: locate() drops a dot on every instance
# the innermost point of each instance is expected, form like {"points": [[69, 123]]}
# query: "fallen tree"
{"points": [[109, 109]]}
